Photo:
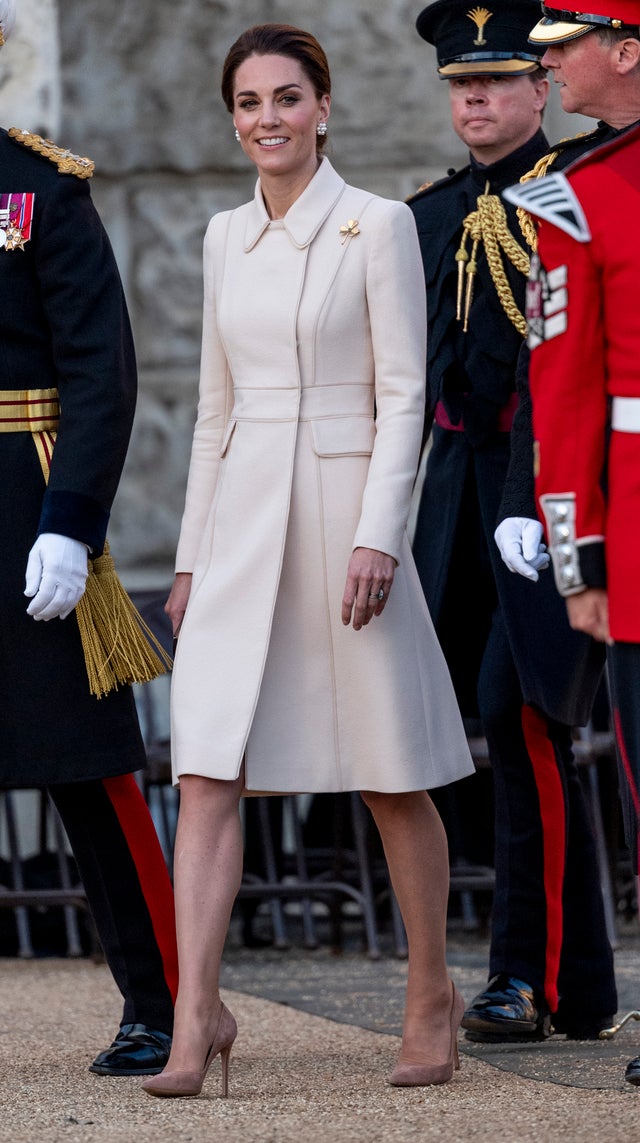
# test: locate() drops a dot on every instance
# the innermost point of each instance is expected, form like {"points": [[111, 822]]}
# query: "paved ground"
{"points": [[297, 1075]]}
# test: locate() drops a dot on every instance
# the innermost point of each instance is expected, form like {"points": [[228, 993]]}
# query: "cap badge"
{"points": [[480, 17]]}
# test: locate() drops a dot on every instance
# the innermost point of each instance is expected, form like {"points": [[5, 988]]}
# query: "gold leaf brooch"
{"points": [[350, 230]]}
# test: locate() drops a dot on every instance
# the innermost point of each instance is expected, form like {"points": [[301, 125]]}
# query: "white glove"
{"points": [[519, 540], [56, 576]]}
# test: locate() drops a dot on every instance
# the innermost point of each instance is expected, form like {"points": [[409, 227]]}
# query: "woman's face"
{"points": [[276, 113]]}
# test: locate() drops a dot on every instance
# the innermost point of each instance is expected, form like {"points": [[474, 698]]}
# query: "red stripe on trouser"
{"points": [[552, 816], [146, 852], [628, 772]]}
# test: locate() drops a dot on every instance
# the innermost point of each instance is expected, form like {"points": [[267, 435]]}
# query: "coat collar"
{"points": [[304, 219]]}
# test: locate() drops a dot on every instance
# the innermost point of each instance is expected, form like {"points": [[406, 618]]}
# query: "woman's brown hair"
{"points": [[278, 40]]}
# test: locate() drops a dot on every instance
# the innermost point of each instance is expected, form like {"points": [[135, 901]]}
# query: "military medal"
{"points": [[16, 214], [13, 238]]}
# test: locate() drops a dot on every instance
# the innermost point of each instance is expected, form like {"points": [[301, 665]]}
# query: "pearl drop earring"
{"points": [[237, 135], [321, 129]]}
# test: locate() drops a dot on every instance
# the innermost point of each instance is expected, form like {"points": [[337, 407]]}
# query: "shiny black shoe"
{"points": [[632, 1074], [507, 1011], [136, 1051]]}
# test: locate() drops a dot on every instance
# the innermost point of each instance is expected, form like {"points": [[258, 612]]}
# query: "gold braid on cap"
{"points": [[488, 225], [1, 37]]}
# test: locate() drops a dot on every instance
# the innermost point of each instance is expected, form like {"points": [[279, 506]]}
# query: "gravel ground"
{"points": [[294, 1076]]}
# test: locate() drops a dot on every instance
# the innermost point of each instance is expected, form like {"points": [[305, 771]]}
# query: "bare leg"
{"points": [[207, 874], [415, 847]]}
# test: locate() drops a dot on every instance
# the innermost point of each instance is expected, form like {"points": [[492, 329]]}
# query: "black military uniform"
{"points": [[513, 658], [65, 335]]}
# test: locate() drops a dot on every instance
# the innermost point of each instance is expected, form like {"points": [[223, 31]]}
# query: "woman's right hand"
{"points": [[176, 604]]}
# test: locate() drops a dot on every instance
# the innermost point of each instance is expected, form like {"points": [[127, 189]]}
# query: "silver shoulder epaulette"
{"points": [[553, 199]]}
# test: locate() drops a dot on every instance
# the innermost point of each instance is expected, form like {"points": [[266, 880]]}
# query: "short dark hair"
{"points": [[611, 36], [278, 40]]}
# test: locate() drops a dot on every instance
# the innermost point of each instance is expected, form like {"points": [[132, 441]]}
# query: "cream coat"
{"points": [[307, 332]]}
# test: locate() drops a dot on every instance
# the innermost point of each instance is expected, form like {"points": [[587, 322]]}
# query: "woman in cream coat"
{"points": [[306, 657]]}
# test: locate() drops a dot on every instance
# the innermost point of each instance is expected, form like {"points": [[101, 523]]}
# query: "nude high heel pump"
{"points": [[423, 1075], [175, 1083]]}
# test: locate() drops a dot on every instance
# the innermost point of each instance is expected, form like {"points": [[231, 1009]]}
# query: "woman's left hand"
{"points": [[369, 578]]}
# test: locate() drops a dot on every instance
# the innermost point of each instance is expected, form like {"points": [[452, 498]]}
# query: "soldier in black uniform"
{"points": [[514, 660], [67, 367]]}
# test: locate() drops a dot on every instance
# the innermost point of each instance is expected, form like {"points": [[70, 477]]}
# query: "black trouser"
{"points": [[128, 889], [548, 925], [624, 679]]}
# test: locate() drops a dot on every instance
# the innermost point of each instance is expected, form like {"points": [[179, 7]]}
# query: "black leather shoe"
{"points": [[632, 1074], [582, 1027], [507, 1011], [136, 1051]]}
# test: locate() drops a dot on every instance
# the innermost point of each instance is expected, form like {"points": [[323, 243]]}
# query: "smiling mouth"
{"points": [[272, 142]]}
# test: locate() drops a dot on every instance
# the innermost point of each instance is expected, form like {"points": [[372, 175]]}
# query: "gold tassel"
{"points": [[461, 258], [472, 269], [119, 648]]}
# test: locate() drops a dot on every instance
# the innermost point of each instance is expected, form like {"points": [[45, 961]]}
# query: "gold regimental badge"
{"points": [[66, 162], [480, 17]]}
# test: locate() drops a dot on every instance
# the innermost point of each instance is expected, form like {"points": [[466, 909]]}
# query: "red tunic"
{"points": [[584, 312]]}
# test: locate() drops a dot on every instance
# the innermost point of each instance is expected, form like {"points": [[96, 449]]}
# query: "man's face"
{"points": [[496, 114], [581, 68]]}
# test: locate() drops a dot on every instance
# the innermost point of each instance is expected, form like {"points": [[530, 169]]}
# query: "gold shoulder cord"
{"points": [[524, 218], [66, 162], [538, 172], [488, 224]]}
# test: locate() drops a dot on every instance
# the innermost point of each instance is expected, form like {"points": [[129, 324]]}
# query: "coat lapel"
{"points": [[304, 219]]}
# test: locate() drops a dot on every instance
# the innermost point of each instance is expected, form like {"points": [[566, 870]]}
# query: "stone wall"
{"points": [[140, 94]]}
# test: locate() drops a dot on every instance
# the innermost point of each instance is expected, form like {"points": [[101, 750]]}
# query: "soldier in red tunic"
{"points": [[589, 350], [584, 334]]}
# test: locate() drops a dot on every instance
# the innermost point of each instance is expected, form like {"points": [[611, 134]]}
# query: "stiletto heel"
{"points": [[423, 1075], [224, 1060], [183, 1083]]}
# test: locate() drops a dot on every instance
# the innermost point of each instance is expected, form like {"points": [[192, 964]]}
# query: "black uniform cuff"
{"points": [[592, 564], [75, 515]]}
